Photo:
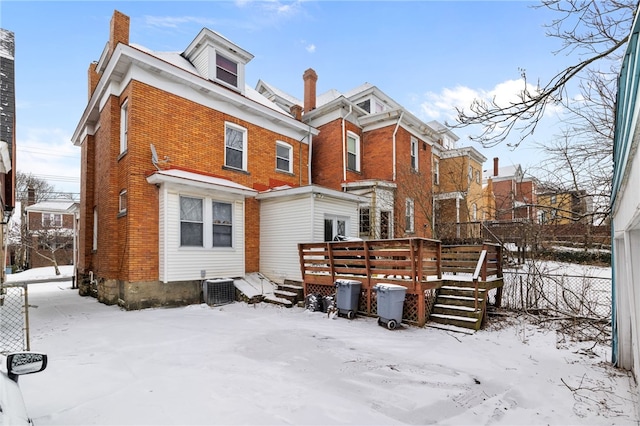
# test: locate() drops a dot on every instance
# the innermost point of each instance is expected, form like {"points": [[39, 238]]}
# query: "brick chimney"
{"points": [[495, 166], [94, 78], [119, 31], [296, 111], [310, 78]]}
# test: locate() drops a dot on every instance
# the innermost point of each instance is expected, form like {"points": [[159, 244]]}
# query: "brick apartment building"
{"points": [[188, 174]]}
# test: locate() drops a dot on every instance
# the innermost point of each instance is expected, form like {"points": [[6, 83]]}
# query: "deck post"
{"points": [[367, 263], [332, 266]]}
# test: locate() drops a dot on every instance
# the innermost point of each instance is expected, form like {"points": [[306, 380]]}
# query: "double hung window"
{"points": [[191, 222], [235, 141], [222, 225], [226, 70]]}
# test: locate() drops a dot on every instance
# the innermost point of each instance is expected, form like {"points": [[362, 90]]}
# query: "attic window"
{"points": [[226, 70]]}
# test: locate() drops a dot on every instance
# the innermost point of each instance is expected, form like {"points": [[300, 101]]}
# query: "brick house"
{"points": [[515, 194], [371, 146], [51, 229], [563, 207], [186, 173], [460, 200]]}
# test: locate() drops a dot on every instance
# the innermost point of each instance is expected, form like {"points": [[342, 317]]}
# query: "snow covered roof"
{"points": [[54, 206], [177, 176]]}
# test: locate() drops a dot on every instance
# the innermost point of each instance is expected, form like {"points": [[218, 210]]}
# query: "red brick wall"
{"points": [[192, 136], [327, 162]]}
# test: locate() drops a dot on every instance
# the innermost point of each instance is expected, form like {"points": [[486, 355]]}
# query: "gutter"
{"points": [[344, 146], [394, 145]]}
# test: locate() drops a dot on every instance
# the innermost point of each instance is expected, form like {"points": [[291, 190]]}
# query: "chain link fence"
{"points": [[565, 295], [14, 319]]}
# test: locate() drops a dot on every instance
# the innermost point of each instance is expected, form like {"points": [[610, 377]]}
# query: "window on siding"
{"points": [[477, 176], [235, 154], [474, 212], [470, 173], [409, 215], [222, 224], [124, 126], [414, 153], [436, 172], [51, 220], [353, 152], [284, 157], [191, 224], [122, 202], [365, 221], [334, 225], [226, 70]]}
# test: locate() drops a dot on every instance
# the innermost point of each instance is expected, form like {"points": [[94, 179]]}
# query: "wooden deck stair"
{"points": [[455, 305]]}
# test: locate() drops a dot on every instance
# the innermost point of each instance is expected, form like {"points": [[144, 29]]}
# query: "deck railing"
{"points": [[463, 259], [411, 260], [419, 264]]}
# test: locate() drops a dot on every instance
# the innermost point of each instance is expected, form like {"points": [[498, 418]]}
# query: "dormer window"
{"points": [[226, 70], [372, 105]]}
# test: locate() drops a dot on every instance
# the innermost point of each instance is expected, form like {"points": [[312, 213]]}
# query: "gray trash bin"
{"points": [[390, 298], [347, 297]]}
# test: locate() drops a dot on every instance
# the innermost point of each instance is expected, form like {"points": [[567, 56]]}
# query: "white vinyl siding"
{"points": [[185, 263], [286, 222]]}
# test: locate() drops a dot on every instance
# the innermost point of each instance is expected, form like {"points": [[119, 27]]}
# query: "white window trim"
{"points": [[233, 225], [436, 172], [237, 74], [121, 196], [180, 221], [414, 153], [207, 222], [124, 126], [357, 152], [410, 215], [244, 145], [50, 223], [290, 159]]}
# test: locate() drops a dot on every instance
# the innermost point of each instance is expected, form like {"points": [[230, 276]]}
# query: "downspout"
{"points": [[344, 146], [394, 145]]}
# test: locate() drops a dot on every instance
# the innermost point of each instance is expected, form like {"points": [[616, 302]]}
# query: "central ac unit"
{"points": [[219, 291]]}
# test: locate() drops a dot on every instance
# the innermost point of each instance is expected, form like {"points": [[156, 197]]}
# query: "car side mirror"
{"points": [[19, 363]]}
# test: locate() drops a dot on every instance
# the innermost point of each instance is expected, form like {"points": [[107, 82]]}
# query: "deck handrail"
{"points": [[479, 267]]}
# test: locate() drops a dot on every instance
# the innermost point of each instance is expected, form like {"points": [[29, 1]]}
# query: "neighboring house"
{"points": [[459, 195], [563, 207], [625, 207], [371, 146], [189, 174], [51, 231], [515, 193], [7, 138]]}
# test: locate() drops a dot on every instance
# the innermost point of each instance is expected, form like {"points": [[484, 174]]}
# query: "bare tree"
{"points": [[41, 190], [595, 32]]}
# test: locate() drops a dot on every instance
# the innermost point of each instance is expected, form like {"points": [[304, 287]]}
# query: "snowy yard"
{"points": [[261, 364]]}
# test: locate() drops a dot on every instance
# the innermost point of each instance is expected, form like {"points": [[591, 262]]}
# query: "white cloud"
{"points": [[311, 48]]}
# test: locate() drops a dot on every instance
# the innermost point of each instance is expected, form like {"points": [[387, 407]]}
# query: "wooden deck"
{"points": [[419, 264]]}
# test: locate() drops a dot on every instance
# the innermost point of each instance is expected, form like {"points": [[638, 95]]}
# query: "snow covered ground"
{"points": [[262, 364]]}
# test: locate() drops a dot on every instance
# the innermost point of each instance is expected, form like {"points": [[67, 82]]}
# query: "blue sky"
{"points": [[429, 56]]}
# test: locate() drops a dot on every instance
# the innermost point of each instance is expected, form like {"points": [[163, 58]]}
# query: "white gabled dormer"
{"points": [[218, 59]]}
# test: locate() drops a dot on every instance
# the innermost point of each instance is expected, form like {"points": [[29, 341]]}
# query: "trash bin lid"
{"points": [[388, 287], [346, 282]]}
